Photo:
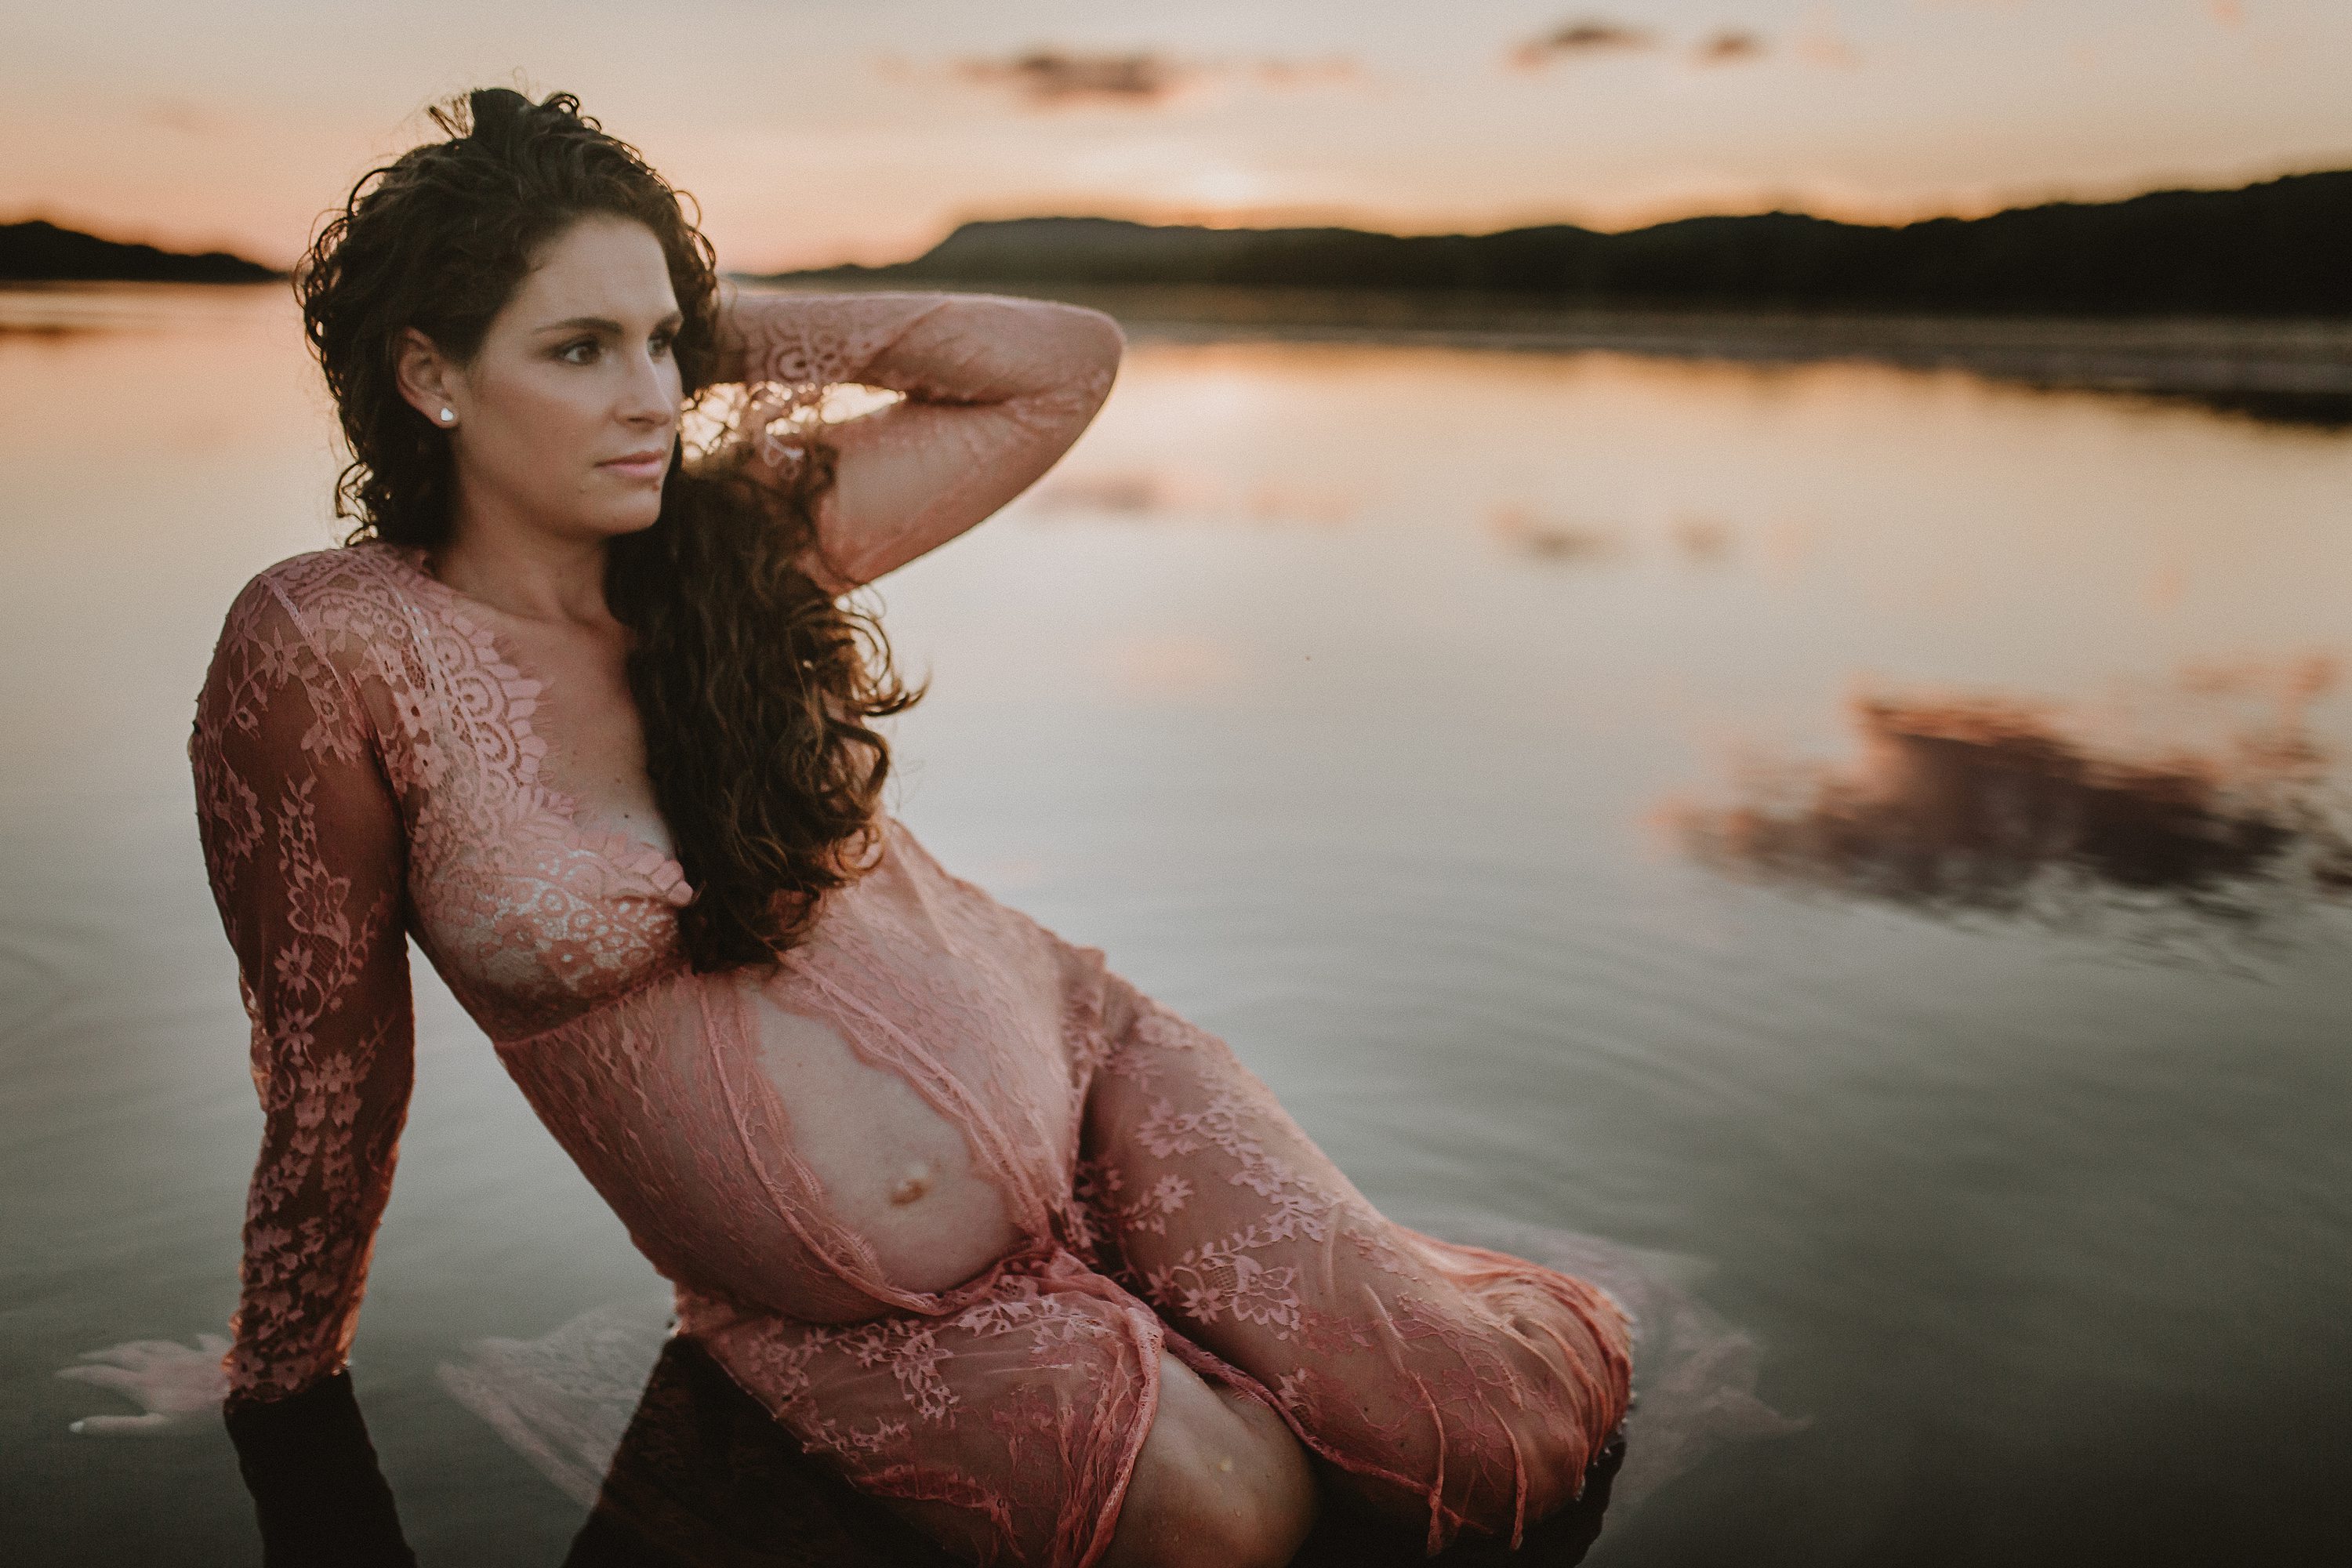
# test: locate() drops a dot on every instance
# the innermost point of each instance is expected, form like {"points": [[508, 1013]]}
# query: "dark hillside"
{"points": [[2280, 248], [42, 252]]}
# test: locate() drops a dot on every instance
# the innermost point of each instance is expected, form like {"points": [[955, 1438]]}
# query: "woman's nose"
{"points": [[649, 392]]}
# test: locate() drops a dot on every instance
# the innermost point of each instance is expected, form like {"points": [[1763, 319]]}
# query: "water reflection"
{"points": [[699, 1474], [58, 309], [1158, 493], [1537, 535], [685, 1460], [1982, 805], [1703, 540], [1531, 533], [704, 1477], [2330, 411], [1272, 768]]}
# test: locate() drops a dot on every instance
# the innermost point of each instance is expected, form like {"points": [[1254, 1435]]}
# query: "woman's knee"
{"points": [[1492, 1476], [1220, 1481]]}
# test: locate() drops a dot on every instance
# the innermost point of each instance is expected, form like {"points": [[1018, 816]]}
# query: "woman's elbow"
{"points": [[1087, 340], [1100, 332]]}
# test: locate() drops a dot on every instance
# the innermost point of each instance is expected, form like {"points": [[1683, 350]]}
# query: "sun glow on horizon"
{"points": [[868, 139]]}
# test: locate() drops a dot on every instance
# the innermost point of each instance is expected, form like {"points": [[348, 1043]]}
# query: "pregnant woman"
{"points": [[1012, 1247]]}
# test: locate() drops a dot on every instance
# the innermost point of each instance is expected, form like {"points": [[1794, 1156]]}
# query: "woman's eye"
{"points": [[663, 344], [566, 354]]}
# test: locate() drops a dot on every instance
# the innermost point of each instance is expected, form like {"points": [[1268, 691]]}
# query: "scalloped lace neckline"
{"points": [[624, 849]]}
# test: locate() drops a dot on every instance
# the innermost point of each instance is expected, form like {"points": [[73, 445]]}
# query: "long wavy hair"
{"points": [[756, 688]]}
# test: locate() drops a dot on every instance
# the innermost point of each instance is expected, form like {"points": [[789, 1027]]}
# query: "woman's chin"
{"points": [[620, 520]]}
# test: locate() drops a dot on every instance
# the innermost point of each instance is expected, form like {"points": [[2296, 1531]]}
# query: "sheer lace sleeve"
{"points": [[993, 391], [303, 843]]}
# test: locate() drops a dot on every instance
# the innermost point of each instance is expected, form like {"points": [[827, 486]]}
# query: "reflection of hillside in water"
{"points": [[2324, 411], [1981, 805]]}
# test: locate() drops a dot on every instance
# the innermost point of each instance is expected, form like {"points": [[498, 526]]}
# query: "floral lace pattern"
{"points": [[991, 397], [302, 847], [1464, 1387], [367, 770]]}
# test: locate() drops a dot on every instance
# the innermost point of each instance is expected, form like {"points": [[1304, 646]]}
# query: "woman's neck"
{"points": [[531, 579]]}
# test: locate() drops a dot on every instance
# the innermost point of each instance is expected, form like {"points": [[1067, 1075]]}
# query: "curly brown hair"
{"points": [[754, 686]]}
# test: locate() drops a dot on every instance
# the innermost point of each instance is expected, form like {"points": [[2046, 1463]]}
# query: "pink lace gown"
{"points": [[367, 773]]}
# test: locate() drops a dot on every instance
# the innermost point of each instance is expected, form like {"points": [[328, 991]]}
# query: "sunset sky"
{"points": [[814, 131]]}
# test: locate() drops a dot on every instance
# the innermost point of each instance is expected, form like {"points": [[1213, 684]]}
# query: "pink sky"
{"points": [[813, 131]]}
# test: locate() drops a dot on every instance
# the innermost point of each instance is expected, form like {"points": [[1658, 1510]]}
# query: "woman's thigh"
{"points": [[1007, 1430], [1462, 1386]]}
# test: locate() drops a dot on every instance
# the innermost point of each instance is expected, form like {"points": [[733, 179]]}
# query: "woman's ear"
{"points": [[428, 381]]}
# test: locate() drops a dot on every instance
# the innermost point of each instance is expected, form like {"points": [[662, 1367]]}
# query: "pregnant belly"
{"points": [[893, 1170]]}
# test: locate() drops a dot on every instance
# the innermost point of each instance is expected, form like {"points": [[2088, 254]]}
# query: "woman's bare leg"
{"points": [[1221, 1481]]}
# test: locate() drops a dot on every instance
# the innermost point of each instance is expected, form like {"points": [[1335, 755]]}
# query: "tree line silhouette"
{"points": [[42, 251], [2280, 248], [2283, 248]]}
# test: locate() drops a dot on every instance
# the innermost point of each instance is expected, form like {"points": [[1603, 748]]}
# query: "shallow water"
{"points": [[1876, 838]]}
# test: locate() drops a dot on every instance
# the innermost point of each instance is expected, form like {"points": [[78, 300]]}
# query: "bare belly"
{"points": [[894, 1171]]}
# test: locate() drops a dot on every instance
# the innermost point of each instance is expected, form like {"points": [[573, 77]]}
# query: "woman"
{"points": [[1012, 1247]]}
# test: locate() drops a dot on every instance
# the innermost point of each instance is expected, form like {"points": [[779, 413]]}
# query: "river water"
{"points": [[1867, 850]]}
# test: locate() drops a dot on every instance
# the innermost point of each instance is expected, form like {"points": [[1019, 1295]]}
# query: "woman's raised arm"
{"points": [[306, 851], [995, 389]]}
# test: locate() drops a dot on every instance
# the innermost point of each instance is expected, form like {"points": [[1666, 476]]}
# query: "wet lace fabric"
{"points": [[368, 773], [1466, 1386], [596, 1400]]}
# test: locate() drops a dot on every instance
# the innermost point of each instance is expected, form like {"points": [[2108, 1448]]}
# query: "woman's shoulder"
{"points": [[339, 599], [315, 577], [317, 621]]}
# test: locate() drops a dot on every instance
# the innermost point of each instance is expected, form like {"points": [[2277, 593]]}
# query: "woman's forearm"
{"points": [[932, 347], [995, 390]]}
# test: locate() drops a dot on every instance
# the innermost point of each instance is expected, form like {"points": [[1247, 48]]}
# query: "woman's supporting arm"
{"points": [[305, 848], [318, 1492], [995, 390]]}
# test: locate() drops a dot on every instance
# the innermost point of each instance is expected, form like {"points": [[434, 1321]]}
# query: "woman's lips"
{"points": [[642, 465]]}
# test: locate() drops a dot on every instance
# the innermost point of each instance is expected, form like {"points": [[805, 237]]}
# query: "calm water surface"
{"points": [[1876, 838]]}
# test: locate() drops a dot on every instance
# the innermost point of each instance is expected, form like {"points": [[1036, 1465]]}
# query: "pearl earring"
{"points": [[448, 417]]}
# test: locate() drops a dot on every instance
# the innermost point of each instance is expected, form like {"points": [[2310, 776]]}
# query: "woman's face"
{"points": [[566, 416]]}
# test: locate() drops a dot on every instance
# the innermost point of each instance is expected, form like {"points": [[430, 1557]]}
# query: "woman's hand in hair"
{"points": [[993, 391]]}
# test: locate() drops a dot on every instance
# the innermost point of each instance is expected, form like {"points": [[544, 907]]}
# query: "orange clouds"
{"points": [[1050, 78], [1729, 47], [1586, 38], [1599, 36]]}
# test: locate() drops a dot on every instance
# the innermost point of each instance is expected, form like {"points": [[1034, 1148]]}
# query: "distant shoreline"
{"points": [[2297, 372], [2293, 369], [39, 251], [2274, 250]]}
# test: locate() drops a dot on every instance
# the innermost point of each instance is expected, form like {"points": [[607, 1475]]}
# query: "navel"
{"points": [[912, 1186]]}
